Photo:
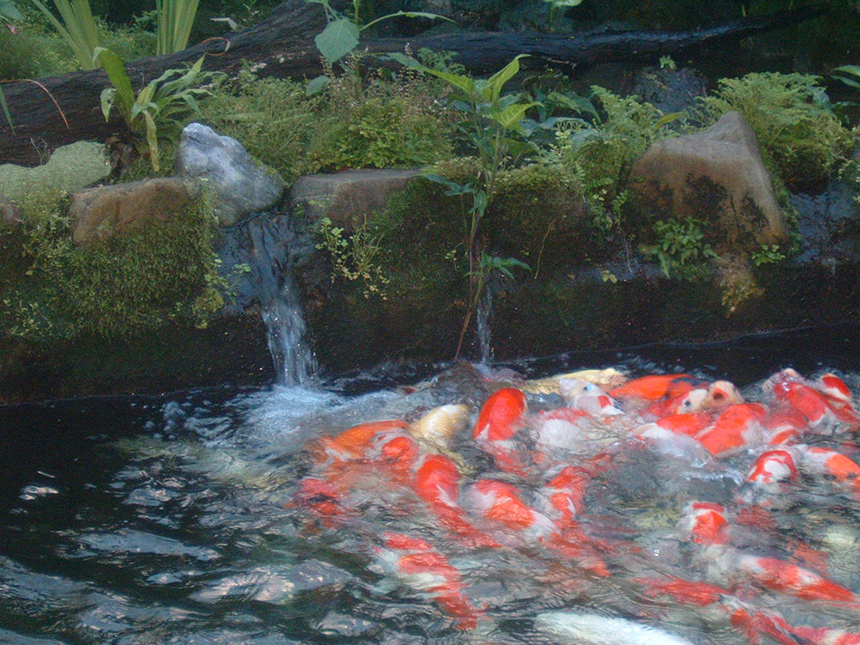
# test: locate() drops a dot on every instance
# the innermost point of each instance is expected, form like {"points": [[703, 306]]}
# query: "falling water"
{"points": [[281, 310], [484, 323]]}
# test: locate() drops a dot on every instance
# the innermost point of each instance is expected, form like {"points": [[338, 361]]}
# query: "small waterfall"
{"points": [[271, 254], [285, 331], [483, 322]]}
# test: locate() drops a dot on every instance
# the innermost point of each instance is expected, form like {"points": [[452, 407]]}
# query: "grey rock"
{"points": [[240, 186], [345, 196], [716, 175], [99, 213]]}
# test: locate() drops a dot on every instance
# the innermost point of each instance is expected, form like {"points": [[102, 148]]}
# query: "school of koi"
{"points": [[530, 488]]}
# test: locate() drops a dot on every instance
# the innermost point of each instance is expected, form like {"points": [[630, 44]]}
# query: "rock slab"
{"points": [[717, 176], [99, 213], [239, 185], [348, 195]]}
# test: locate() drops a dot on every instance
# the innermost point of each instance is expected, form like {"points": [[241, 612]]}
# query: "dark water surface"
{"points": [[170, 519]]}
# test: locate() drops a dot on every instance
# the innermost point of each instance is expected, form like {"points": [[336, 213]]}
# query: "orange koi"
{"points": [[352, 443], [502, 415], [733, 430], [416, 563], [832, 464], [656, 386], [687, 403], [790, 579]]}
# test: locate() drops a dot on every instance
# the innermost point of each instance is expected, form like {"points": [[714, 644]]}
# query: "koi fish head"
{"points": [[686, 403], [721, 394], [441, 424], [835, 389], [705, 522], [501, 416]]}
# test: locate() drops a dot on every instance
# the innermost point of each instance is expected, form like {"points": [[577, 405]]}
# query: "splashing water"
{"points": [[281, 310]]}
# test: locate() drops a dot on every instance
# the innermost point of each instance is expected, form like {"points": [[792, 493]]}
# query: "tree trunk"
{"points": [[283, 46]]}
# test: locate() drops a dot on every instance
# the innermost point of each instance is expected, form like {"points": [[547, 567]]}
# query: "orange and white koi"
{"points": [[826, 462], [656, 386], [735, 429], [350, 444], [437, 482], [418, 565], [500, 419], [686, 403], [588, 397], [769, 477], [705, 522]]}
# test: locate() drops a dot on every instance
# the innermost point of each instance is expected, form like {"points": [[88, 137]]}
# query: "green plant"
{"points": [[667, 62], [601, 151], [850, 76], [174, 21], [340, 36], [767, 254], [792, 120], [681, 248], [553, 4], [491, 123], [354, 257], [78, 28], [160, 104]]}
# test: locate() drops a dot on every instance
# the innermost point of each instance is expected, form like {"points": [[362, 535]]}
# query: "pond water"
{"points": [[185, 519]]}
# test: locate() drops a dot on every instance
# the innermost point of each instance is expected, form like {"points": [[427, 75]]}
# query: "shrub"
{"points": [[600, 154], [791, 118]]}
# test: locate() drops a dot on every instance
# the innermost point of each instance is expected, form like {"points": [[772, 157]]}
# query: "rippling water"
{"points": [[173, 519]]}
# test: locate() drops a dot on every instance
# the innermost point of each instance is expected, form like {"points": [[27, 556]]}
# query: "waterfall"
{"points": [[271, 255], [483, 322]]}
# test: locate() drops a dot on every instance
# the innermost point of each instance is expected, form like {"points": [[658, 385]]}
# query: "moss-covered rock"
{"points": [[69, 168]]}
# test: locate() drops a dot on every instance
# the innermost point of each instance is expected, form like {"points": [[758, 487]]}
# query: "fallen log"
{"points": [[282, 46]]}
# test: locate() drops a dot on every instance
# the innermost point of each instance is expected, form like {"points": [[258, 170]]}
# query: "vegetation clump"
{"points": [[163, 272], [792, 119]]}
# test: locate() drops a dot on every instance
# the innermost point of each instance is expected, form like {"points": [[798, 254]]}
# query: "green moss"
{"points": [[166, 271], [69, 168], [791, 118]]}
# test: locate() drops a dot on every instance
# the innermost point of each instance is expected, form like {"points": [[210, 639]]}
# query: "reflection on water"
{"points": [[189, 519]]}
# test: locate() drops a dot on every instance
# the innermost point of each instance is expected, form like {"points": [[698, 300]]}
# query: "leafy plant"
{"points": [[491, 123], [767, 254], [354, 257], [553, 4], [162, 102], [850, 75], [792, 119], [342, 32], [174, 21], [681, 248], [78, 28]]}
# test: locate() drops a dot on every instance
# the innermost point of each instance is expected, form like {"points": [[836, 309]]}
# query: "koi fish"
{"points": [[588, 397], [322, 500], [418, 565], [437, 483], [734, 429], [593, 629], [769, 477], [705, 522], [790, 579], [501, 417], [686, 403], [825, 462], [350, 444], [656, 386], [441, 424]]}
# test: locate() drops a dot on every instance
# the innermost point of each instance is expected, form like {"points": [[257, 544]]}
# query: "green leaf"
{"points": [[115, 69], [494, 84], [403, 59], [107, 101], [152, 140], [338, 39], [317, 85], [510, 117], [459, 82], [668, 118], [848, 74], [453, 187]]}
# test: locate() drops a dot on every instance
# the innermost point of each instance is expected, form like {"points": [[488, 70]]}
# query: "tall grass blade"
{"points": [[78, 28], [175, 19]]}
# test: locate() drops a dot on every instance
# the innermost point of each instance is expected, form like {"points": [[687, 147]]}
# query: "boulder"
{"points": [[9, 213], [239, 185], [347, 195], [99, 213], [717, 176]]}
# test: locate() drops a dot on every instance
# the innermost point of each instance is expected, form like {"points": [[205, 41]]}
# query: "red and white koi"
{"points": [[419, 566], [735, 429]]}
